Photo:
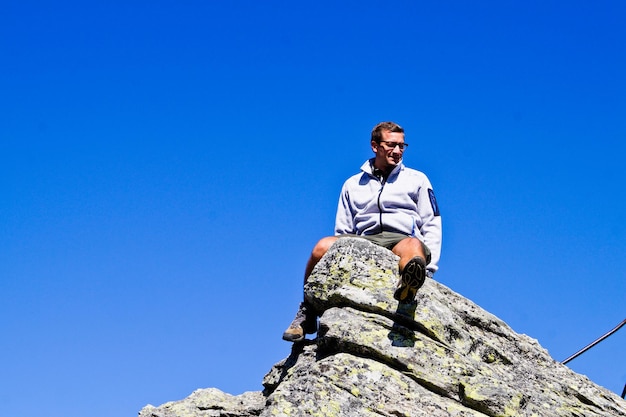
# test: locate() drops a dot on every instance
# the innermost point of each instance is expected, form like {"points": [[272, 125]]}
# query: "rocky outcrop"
{"points": [[439, 356]]}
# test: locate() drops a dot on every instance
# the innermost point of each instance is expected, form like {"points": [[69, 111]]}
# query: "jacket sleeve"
{"points": [[430, 229], [344, 220]]}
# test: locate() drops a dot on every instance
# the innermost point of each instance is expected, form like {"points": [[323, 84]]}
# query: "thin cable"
{"points": [[589, 346]]}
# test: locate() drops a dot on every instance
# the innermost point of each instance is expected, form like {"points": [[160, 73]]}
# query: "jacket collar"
{"points": [[368, 167]]}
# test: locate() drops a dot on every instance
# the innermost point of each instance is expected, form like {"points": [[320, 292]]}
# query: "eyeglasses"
{"points": [[392, 145]]}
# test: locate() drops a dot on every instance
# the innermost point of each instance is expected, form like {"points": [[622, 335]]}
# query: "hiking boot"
{"points": [[412, 278], [304, 323]]}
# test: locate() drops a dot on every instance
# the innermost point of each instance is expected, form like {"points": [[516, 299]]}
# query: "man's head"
{"points": [[388, 145]]}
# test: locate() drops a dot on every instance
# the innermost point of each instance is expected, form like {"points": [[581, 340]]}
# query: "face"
{"points": [[387, 158]]}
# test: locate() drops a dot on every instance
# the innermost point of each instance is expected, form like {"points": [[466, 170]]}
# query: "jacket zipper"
{"points": [[380, 209]]}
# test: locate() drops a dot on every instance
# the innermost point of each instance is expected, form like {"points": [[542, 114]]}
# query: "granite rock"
{"points": [[441, 355]]}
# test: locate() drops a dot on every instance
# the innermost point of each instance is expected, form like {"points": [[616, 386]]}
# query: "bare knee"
{"points": [[409, 247], [322, 247]]}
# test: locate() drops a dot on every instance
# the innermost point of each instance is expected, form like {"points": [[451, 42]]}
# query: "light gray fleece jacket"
{"points": [[404, 203]]}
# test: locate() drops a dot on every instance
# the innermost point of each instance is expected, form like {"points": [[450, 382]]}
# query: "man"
{"points": [[390, 205]]}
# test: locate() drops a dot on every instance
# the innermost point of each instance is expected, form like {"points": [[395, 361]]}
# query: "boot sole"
{"points": [[412, 278]]}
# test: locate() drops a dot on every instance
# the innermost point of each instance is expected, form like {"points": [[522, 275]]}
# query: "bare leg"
{"points": [[305, 321], [412, 266], [316, 254], [407, 249]]}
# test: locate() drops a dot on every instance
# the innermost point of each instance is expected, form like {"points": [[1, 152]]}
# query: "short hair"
{"points": [[377, 132]]}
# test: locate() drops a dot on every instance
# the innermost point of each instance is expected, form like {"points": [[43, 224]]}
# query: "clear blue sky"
{"points": [[166, 167]]}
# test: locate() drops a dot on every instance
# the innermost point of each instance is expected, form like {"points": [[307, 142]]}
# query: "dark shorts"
{"points": [[389, 240]]}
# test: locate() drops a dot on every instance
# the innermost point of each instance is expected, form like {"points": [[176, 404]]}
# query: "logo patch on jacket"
{"points": [[433, 202]]}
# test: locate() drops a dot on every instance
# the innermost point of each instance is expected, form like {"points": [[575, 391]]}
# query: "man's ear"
{"points": [[374, 146]]}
